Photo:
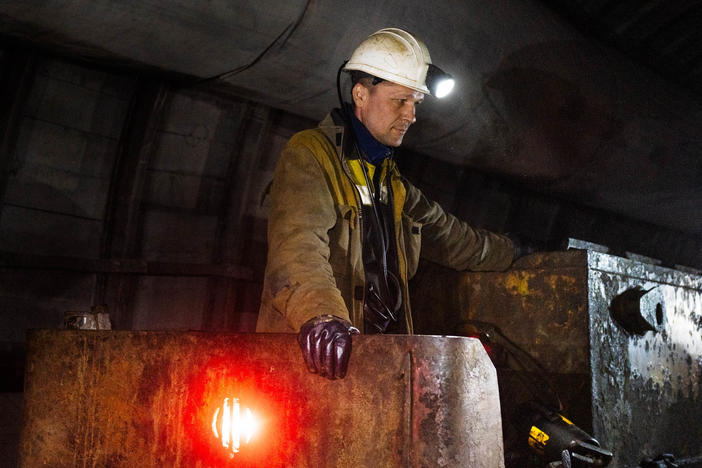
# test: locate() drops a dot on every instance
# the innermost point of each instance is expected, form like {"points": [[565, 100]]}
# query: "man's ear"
{"points": [[359, 94]]}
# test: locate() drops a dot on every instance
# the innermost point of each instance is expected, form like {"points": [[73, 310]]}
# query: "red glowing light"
{"points": [[232, 424], [221, 435]]}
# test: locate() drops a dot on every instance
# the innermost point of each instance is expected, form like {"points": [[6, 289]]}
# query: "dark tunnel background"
{"points": [[131, 187]]}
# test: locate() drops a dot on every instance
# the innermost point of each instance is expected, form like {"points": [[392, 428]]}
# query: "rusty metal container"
{"points": [[620, 340], [155, 399]]}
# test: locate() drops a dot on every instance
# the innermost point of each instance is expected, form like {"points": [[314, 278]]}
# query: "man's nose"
{"points": [[408, 112]]}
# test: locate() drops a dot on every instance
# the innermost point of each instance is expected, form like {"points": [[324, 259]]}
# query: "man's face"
{"points": [[387, 110]]}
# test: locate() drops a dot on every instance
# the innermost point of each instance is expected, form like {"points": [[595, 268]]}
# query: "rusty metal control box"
{"points": [[190, 399], [620, 340]]}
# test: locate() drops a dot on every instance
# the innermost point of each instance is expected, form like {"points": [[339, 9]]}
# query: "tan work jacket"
{"points": [[315, 263]]}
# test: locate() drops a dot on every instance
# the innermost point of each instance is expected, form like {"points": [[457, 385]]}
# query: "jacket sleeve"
{"points": [[453, 243], [302, 212]]}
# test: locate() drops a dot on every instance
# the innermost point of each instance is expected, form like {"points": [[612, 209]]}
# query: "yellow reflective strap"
{"points": [[565, 420], [357, 172]]}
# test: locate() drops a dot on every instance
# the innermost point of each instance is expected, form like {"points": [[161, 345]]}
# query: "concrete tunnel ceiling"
{"points": [[536, 101]]}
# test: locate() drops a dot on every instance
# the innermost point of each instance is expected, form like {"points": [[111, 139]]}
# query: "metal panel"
{"points": [[540, 303], [638, 391], [130, 399], [646, 387]]}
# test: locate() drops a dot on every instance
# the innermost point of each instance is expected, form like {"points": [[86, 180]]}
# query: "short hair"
{"points": [[366, 79]]}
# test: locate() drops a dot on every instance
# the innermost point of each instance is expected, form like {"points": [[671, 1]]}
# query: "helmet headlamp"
{"points": [[439, 82]]}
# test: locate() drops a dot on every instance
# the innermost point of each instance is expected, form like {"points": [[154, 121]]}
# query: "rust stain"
{"points": [[518, 282], [139, 399]]}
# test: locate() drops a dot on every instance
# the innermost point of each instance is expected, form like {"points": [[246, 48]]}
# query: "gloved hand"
{"points": [[524, 246], [325, 342]]}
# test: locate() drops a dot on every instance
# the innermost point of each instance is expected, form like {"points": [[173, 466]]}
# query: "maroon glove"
{"points": [[325, 342]]}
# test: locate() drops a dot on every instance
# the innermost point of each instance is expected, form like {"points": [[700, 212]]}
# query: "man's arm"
{"points": [[302, 212], [298, 271], [453, 243]]}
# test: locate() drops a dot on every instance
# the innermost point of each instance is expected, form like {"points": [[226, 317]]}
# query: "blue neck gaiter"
{"points": [[375, 150]]}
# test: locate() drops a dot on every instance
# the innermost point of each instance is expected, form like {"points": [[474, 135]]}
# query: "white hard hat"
{"points": [[393, 55]]}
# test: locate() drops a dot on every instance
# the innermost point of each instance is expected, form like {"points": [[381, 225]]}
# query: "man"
{"points": [[346, 230]]}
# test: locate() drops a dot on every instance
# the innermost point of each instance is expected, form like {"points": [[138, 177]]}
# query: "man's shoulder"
{"points": [[325, 138], [313, 140], [309, 134]]}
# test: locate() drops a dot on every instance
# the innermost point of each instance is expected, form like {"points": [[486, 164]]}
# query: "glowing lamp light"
{"points": [[439, 82], [444, 87], [232, 425]]}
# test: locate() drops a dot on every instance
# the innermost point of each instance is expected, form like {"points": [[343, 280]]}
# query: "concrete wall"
{"points": [[535, 100], [199, 202], [57, 182]]}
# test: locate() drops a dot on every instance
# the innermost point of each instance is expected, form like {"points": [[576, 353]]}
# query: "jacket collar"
{"points": [[374, 150], [334, 128]]}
